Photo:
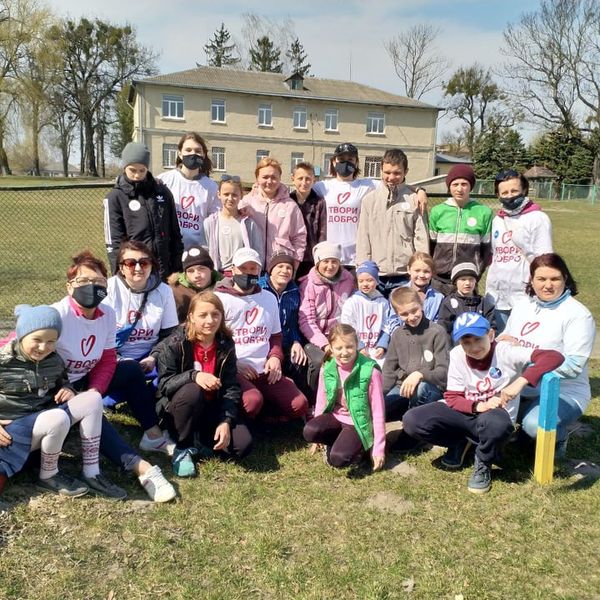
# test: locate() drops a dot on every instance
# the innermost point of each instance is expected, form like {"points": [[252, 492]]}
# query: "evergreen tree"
{"points": [[497, 149], [567, 153], [265, 57], [219, 52], [297, 57]]}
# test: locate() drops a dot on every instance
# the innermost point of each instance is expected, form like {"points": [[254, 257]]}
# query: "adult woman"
{"points": [[87, 346], [343, 196], [520, 232], [195, 193], [197, 371], [280, 220], [552, 318], [145, 313], [141, 208]]}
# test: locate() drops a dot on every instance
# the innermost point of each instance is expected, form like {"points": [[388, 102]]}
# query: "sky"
{"points": [[343, 39]]}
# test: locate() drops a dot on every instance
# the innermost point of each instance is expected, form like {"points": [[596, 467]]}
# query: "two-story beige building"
{"points": [[247, 115]]}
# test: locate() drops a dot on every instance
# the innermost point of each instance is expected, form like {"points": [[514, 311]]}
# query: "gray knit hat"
{"points": [[33, 318], [135, 153]]}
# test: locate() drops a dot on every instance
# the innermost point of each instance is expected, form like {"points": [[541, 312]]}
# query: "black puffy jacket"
{"points": [[175, 365], [145, 212]]}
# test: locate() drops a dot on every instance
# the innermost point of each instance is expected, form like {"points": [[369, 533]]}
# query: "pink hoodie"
{"points": [[321, 304], [279, 220]]}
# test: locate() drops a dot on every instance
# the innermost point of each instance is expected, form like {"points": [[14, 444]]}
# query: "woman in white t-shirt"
{"points": [[343, 195], [194, 192], [87, 346], [552, 319]]}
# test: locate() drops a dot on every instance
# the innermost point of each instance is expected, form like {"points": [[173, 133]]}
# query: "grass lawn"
{"points": [[284, 525]]}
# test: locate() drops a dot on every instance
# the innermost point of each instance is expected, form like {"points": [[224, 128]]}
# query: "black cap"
{"points": [[345, 148]]}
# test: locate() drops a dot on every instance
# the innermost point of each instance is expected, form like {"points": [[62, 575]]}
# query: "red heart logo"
{"points": [[87, 344], [343, 197], [484, 385], [251, 315], [370, 320], [506, 237], [529, 327], [131, 316], [186, 201]]}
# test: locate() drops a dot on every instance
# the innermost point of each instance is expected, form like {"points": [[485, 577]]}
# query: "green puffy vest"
{"points": [[356, 391]]}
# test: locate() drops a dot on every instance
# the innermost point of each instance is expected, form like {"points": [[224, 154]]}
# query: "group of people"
{"points": [[346, 303]]}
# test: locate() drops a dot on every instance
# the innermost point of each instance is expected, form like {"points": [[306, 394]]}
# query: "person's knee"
{"points": [[411, 423], [339, 458], [242, 441], [298, 405], [494, 424], [252, 402], [312, 431], [529, 424], [427, 393], [57, 422]]}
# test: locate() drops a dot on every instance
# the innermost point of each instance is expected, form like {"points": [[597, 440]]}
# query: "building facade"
{"points": [[247, 115]]}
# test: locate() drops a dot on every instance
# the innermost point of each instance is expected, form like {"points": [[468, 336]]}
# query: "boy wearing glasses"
{"points": [[520, 232], [228, 230]]}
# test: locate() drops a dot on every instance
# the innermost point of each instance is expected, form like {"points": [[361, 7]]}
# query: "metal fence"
{"points": [[549, 190]]}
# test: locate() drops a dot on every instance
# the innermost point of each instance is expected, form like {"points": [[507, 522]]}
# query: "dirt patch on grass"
{"points": [[390, 502]]}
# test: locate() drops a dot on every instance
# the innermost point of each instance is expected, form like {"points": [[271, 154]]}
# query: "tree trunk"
{"points": [[81, 149], [90, 153], [35, 139]]}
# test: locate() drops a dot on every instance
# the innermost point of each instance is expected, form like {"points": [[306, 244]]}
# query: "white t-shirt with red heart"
{"points": [[253, 319], [507, 364], [343, 200], [568, 328], [82, 341]]}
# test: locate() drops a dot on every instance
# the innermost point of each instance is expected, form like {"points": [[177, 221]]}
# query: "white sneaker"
{"points": [[156, 486], [162, 444]]}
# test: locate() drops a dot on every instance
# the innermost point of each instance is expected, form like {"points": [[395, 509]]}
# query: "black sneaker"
{"points": [[480, 481], [100, 484], [64, 485], [455, 455]]}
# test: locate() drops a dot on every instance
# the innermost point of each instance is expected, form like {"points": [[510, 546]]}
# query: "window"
{"points": [[169, 155], [172, 107], [217, 111], [300, 117], [297, 157], [331, 119], [218, 158], [375, 123], [260, 154], [373, 166], [326, 162], [265, 115]]}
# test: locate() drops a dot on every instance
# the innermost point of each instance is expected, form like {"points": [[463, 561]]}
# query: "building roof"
{"points": [[448, 158], [274, 84], [539, 172]]}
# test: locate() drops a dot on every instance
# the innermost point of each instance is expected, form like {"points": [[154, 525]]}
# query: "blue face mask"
{"points": [[345, 168]]}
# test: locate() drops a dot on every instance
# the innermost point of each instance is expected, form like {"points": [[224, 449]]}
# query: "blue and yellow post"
{"points": [[546, 433]]}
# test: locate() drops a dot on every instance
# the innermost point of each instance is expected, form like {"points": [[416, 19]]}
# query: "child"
{"points": [[459, 229], [465, 298], [349, 414], [421, 271], [322, 294], [481, 403], [278, 217], [369, 313], [313, 210], [520, 232], [142, 209], [416, 364], [198, 274], [391, 227], [227, 230], [195, 193], [197, 371], [38, 407]]}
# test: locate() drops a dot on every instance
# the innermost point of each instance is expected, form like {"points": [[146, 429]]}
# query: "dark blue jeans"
{"points": [[396, 405]]}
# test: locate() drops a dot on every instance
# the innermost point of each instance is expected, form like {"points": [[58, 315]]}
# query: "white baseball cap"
{"points": [[244, 255]]}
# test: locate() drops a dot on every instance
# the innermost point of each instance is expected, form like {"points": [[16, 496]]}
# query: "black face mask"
{"points": [[512, 203], [90, 295], [245, 282], [193, 162], [345, 168]]}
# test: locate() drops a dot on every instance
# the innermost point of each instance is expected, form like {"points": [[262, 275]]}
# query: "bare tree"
{"points": [[281, 33], [553, 66], [417, 63]]}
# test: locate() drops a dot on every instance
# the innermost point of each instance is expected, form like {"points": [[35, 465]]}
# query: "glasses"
{"points": [[131, 263], [89, 281], [508, 174], [234, 178]]}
